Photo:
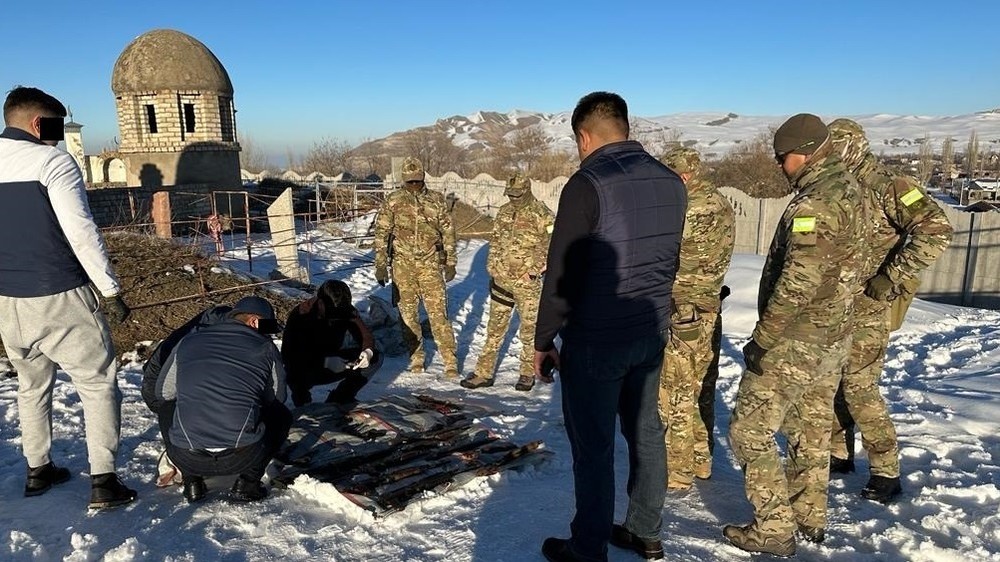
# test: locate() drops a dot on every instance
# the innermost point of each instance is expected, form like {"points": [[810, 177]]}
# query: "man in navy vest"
{"points": [[50, 254], [611, 266]]}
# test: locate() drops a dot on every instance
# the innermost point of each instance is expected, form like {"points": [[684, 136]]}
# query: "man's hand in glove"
{"points": [[116, 309], [364, 360], [381, 274], [449, 272], [881, 288], [753, 354]]}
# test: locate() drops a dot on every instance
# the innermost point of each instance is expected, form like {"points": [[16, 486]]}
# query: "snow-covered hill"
{"points": [[716, 133], [942, 382]]}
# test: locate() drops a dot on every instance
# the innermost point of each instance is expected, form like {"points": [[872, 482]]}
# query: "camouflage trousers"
{"points": [[685, 368], [416, 282], [794, 395], [859, 401], [525, 298]]}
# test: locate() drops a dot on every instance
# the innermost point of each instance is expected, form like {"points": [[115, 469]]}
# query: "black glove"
{"points": [[881, 288], [449, 272], [116, 309], [381, 274], [753, 354]]}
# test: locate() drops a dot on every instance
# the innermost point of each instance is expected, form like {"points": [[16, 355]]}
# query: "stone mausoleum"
{"points": [[175, 113]]}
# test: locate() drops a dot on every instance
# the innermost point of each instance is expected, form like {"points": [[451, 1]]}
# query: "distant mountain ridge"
{"points": [[712, 133]]}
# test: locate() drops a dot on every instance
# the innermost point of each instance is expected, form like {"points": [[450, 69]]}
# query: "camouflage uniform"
{"points": [[416, 223], [706, 250], [906, 233], [805, 303], [518, 249]]}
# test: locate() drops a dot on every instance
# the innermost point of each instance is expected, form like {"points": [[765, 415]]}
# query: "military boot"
{"points": [[703, 470], [477, 381], [748, 538], [525, 382], [882, 489], [811, 534]]}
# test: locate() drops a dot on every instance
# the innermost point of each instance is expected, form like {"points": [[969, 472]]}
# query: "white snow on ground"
{"points": [[942, 382]]}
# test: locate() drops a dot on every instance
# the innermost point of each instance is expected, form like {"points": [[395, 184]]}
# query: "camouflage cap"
{"points": [[412, 169], [519, 183], [801, 134], [849, 140], [682, 160]]}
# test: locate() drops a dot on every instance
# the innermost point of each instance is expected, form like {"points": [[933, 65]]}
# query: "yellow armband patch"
{"points": [[911, 197], [804, 224]]}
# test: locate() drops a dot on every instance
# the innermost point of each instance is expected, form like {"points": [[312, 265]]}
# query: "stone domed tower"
{"points": [[175, 113]]}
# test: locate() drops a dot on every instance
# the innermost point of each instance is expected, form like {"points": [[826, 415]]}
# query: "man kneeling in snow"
{"points": [[229, 386], [326, 341]]}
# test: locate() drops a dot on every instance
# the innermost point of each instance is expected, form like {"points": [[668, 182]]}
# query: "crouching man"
{"points": [[228, 385], [326, 341]]}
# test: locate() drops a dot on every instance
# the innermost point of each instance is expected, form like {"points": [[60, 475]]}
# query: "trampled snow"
{"points": [[942, 382]]}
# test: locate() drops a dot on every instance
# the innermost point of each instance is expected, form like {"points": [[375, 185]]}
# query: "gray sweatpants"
{"points": [[67, 329]]}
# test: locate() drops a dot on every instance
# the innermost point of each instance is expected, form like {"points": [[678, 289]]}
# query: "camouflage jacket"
{"points": [[706, 247], [810, 277], [520, 241], [908, 230], [419, 227]]}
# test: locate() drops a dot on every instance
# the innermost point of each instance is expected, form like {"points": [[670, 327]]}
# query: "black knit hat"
{"points": [[801, 134]]}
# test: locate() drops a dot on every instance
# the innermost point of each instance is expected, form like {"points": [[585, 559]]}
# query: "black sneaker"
{"points": [[194, 488], [812, 534], [247, 490], [44, 477], [650, 549], [841, 466], [106, 490], [882, 489], [476, 381]]}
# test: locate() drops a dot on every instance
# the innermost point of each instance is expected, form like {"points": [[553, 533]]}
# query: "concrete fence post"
{"points": [[161, 214]]}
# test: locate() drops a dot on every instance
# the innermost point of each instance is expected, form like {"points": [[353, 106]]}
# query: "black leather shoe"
{"points": [[42, 478], [557, 550], [841, 466], [194, 488], [106, 490], [882, 489], [648, 549], [247, 490]]}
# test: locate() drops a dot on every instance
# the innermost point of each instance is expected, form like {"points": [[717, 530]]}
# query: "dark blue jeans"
{"points": [[600, 383], [249, 461]]}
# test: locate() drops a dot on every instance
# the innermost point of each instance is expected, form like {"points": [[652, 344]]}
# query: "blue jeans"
{"points": [[600, 382]]}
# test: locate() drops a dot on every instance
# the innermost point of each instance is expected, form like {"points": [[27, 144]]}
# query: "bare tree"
{"points": [[972, 154], [947, 158], [750, 167], [327, 156], [370, 157], [435, 150], [252, 157], [925, 160]]}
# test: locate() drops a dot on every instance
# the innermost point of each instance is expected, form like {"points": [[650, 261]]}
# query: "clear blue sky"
{"points": [[354, 69]]}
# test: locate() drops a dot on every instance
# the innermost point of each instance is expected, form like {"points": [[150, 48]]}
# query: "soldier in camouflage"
{"points": [[906, 233], [414, 231], [706, 250], [518, 249], [799, 346]]}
